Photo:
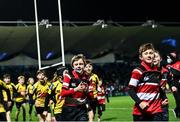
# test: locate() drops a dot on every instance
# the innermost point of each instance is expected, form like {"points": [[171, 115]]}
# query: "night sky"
{"points": [[92, 10]]}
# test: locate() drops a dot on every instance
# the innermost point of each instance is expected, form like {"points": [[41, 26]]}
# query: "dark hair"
{"points": [[88, 61], [41, 71], [21, 77], [173, 56], [6, 76]]}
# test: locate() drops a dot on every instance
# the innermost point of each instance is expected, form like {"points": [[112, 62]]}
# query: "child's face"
{"points": [[78, 66], [7, 80], [40, 76], [147, 56], [88, 68], [157, 59], [31, 80], [21, 81]]}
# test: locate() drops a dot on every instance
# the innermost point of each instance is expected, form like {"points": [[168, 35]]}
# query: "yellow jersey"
{"points": [[56, 88], [41, 91], [30, 89], [21, 92], [94, 81], [12, 89], [3, 87], [2, 109]]}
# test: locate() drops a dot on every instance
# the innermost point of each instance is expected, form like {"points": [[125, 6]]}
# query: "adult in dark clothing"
{"points": [[174, 69]]}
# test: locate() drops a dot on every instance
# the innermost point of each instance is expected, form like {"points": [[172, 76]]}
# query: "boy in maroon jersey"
{"points": [[101, 99], [164, 73], [75, 90], [144, 87], [94, 80]]}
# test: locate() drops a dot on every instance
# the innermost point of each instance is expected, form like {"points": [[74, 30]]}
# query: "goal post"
{"points": [[62, 61]]}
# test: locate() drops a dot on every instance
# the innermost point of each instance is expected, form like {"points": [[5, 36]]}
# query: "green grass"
{"points": [[119, 109]]}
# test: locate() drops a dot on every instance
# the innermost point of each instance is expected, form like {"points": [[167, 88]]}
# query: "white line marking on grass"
{"points": [[119, 108]]}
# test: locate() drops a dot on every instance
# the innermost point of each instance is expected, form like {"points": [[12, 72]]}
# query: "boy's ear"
{"points": [[140, 57]]}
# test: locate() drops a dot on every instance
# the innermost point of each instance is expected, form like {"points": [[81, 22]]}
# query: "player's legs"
{"points": [[24, 111], [18, 106]]}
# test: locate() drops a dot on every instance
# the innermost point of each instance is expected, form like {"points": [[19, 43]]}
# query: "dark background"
{"points": [[92, 10]]}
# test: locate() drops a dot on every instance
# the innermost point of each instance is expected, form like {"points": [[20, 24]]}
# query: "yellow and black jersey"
{"points": [[56, 88], [41, 91], [21, 92], [30, 89], [12, 89], [94, 79], [4, 95], [3, 86], [2, 109]]}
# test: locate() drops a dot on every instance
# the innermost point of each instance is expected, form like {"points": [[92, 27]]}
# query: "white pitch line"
{"points": [[119, 108], [131, 108]]}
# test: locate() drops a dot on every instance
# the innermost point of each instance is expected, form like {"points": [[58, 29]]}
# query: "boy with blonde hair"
{"points": [[21, 97]]}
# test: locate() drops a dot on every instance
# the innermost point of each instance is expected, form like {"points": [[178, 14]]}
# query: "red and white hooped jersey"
{"points": [[146, 81], [101, 95]]}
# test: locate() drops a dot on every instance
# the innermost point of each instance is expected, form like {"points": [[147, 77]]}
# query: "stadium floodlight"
{"points": [[62, 62], [100, 22], [150, 23], [45, 22]]}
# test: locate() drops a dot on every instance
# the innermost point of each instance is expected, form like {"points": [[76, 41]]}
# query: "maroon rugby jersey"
{"points": [[69, 83], [101, 95], [146, 81]]}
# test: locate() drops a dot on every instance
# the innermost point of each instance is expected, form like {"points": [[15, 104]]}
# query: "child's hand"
{"points": [[45, 113], [174, 89], [23, 93], [81, 87], [165, 102], [9, 103], [143, 105]]}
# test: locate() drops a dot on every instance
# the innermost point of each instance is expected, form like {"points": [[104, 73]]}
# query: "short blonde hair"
{"points": [[77, 57]]}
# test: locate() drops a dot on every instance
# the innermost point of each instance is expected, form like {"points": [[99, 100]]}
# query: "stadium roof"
{"points": [[93, 41]]}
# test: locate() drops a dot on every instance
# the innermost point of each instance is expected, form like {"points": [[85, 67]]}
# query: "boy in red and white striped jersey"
{"points": [[101, 99], [75, 90], [144, 87]]}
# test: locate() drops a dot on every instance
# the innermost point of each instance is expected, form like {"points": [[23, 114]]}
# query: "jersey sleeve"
{"points": [[35, 88], [4, 87], [66, 81], [135, 77], [65, 87]]}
